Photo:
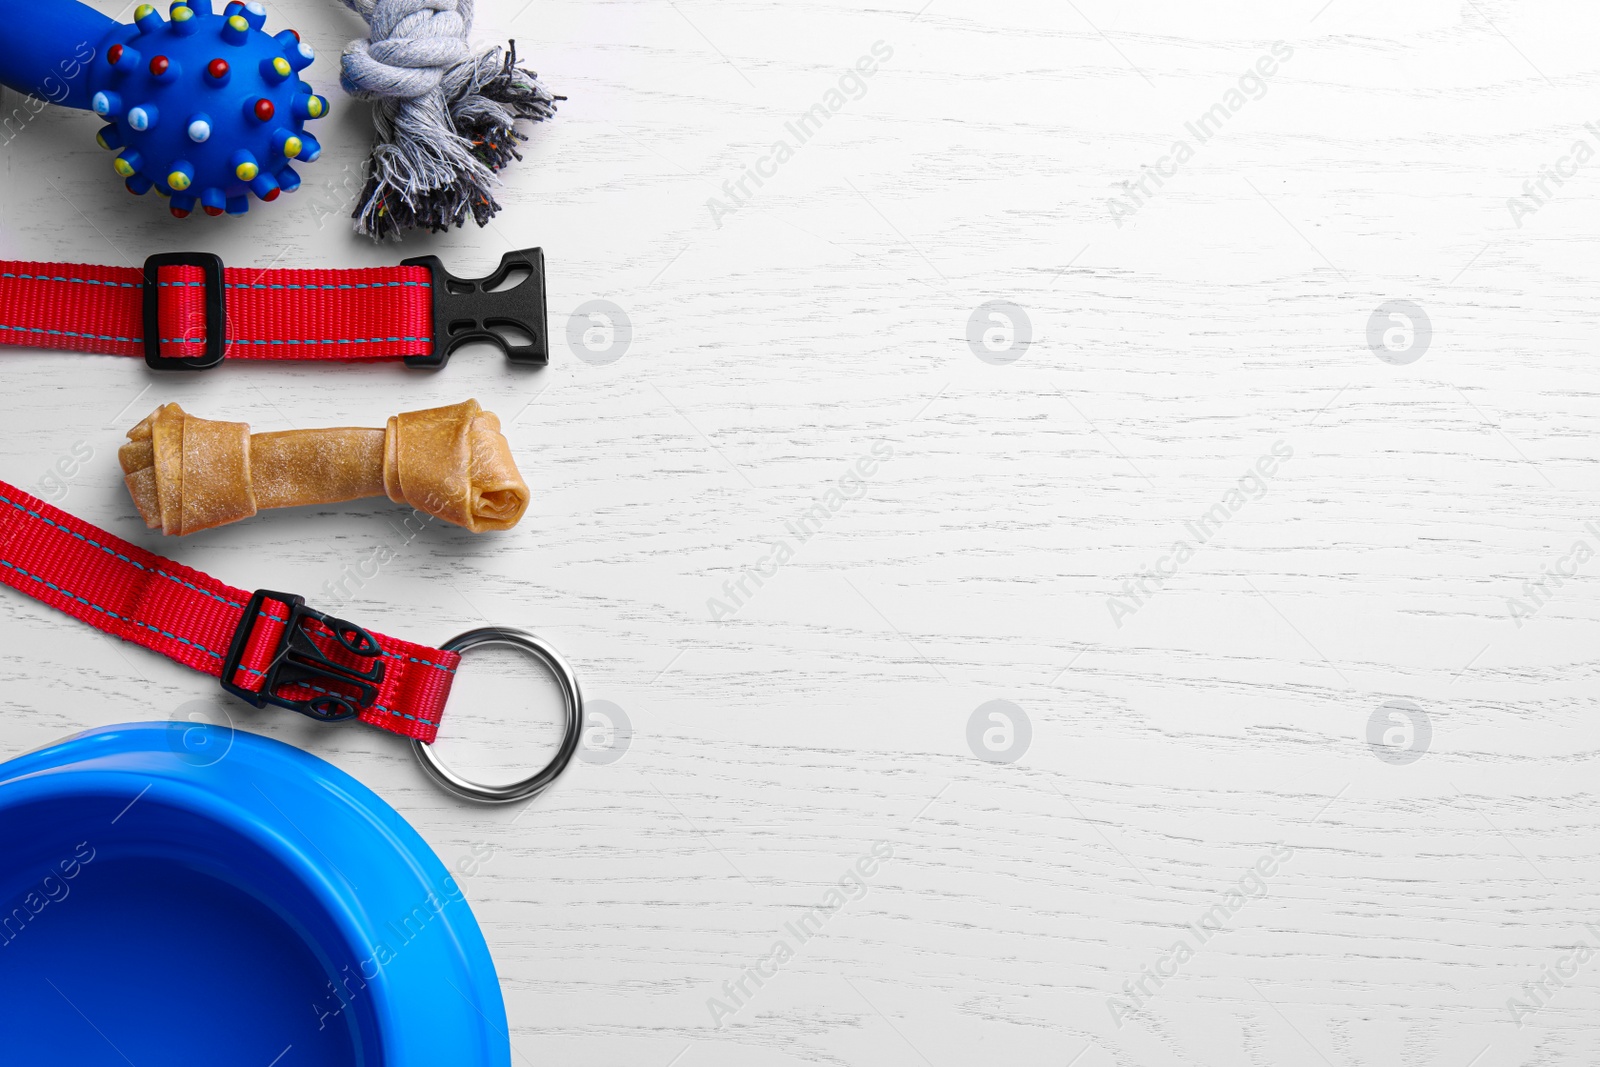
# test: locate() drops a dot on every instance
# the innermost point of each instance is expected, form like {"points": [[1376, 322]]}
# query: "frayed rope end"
{"points": [[415, 184]]}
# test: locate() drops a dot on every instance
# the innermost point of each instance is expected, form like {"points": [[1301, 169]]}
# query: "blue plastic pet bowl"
{"points": [[178, 894]]}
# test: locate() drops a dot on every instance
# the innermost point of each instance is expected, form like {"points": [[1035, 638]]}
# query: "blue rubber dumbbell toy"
{"points": [[203, 108]]}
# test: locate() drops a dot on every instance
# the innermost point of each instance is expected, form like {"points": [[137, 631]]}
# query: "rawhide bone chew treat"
{"points": [[188, 474]]}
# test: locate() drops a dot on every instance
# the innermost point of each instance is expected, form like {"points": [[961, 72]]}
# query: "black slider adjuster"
{"points": [[216, 339]]}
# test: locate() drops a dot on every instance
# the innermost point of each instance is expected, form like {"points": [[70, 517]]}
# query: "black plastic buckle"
{"points": [[465, 310], [298, 661], [216, 311]]}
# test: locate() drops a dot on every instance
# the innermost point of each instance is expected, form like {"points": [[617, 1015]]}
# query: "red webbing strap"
{"points": [[372, 313], [191, 617]]}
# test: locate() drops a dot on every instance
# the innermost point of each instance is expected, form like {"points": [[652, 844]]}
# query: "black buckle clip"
{"points": [[298, 661], [216, 311], [465, 310]]}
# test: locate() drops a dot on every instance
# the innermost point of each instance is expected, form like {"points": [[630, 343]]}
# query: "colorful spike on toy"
{"points": [[206, 110], [274, 70], [245, 167], [286, 143], [180, 177], [266, 187]]}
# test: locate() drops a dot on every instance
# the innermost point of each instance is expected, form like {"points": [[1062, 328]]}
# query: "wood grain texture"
{"points": [[775, 345]]}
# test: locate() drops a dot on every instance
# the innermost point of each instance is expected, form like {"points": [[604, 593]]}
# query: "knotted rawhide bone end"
{"points": [[188, 474]]}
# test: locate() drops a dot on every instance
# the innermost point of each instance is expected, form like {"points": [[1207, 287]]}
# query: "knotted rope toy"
{"points": [[445, 114], [207, 109]]}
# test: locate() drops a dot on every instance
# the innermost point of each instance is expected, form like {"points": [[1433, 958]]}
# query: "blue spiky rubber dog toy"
{"points": [[204, 108]]}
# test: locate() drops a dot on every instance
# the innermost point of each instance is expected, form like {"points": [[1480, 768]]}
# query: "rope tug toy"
{"points": [[207, 109], [445, 113]]}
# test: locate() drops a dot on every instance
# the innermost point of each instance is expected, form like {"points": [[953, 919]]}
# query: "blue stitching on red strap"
{"points": [[301, 341], [416, 659], [81, 281], [226, 285], [174, 578], [276, 285], [193, 644], [106, 611], [118, 555], [69, 333]]}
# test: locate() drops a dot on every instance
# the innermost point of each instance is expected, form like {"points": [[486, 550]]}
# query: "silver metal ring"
{"points": [[571, 699]]}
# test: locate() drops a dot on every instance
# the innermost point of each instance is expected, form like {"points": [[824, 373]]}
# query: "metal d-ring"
{"points": [[572, 704]]}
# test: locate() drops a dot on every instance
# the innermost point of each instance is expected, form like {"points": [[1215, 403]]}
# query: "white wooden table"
{"points": [[1172, 336]]}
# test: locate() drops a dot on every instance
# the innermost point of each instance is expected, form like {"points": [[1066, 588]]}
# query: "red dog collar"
{"points": [[185, 311], [267, 648]]}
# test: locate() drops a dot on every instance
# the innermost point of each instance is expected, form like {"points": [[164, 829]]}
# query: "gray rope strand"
{"points": [[445, 114]]}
